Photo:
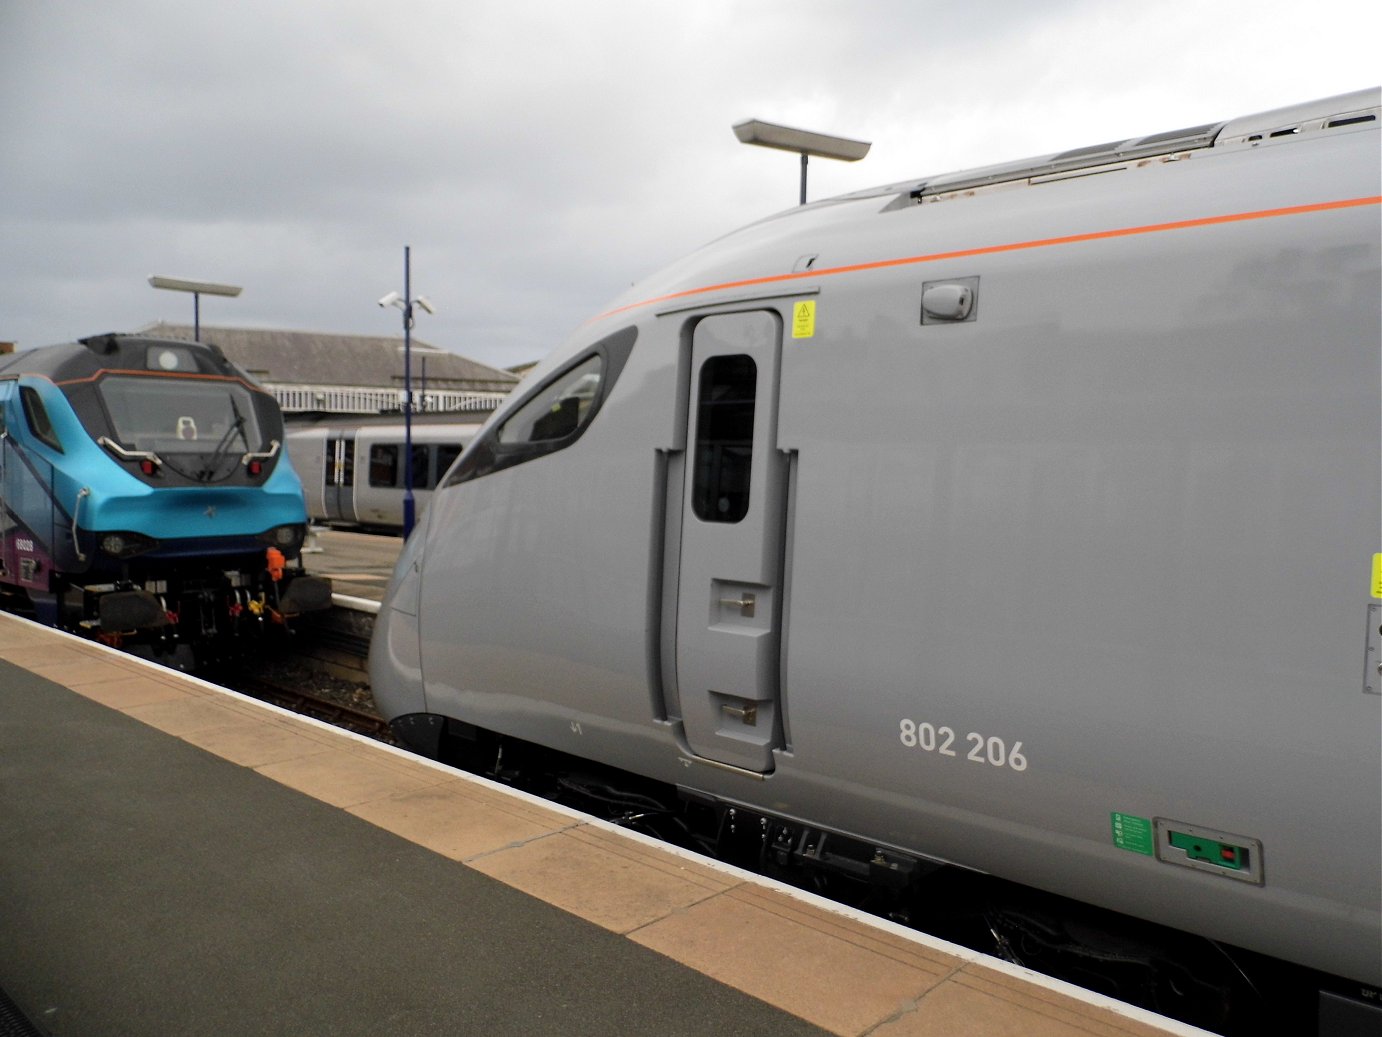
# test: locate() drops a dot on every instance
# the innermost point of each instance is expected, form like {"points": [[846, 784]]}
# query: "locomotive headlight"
{"points": [[126, 545], [286, 538]]}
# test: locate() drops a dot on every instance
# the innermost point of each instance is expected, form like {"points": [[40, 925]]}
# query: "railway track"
{"points": [[315, 706], [346, 641], [324, 675]]}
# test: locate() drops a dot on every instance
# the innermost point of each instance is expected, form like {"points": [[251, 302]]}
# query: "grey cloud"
{"points": [[538, 158]]}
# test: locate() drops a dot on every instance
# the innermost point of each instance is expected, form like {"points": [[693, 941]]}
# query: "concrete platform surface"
{"points": [[359, 564], [178, 859]]}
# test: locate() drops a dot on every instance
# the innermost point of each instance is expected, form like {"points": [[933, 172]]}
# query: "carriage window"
{"points": [[559, 411], [724, 438], [386, 465], [383, 465], [37, 416], [422, 472], [446, 457]]}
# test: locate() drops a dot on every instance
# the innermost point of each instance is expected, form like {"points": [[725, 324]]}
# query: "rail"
{"points": [[308, 704]]}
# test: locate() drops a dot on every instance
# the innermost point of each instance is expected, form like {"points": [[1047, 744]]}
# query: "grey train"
{"points": [[1018, 525], [353, 471]]}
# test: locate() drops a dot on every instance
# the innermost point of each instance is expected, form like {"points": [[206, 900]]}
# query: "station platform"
{"points": [[179, 859], [358, 564]]}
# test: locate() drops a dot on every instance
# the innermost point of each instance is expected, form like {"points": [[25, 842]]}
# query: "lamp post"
{"points": [[406, 302], [803, 142], [198, 289]]}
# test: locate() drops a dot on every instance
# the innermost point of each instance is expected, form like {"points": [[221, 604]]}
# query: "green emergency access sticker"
{"points": [[1133, 833]]}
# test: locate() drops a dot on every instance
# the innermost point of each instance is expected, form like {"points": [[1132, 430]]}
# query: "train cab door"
{"points": [[339, 477], [729, 565]]}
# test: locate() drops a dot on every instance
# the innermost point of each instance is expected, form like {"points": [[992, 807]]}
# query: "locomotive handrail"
{"points": [[149, 455], [129, 455], [262, 455], [84, 492]]}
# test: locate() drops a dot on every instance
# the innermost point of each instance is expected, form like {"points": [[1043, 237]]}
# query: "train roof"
{"points": [[88, 357], [1323, 114], [788, 247]]}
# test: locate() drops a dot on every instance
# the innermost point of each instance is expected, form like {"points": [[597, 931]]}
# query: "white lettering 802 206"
{"points": [[991, 750]]}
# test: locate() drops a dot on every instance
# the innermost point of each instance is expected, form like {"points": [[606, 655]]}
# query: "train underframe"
{"points": [[185, 614], [1220, 988]]}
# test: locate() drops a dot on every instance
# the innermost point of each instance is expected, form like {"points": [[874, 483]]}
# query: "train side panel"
{"points": [[1104, 551], [307, 448]]}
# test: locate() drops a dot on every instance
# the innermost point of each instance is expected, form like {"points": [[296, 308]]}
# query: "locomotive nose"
{"points": [[195, 513], [395, 657]]}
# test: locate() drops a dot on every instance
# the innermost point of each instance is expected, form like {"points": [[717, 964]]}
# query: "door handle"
{"points": [[748, 714], [744, 604]]}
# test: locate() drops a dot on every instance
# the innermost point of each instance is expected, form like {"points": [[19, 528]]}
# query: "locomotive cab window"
{"points": [[559, 411], [181, 416], [724, 438], [36, 415], [552, 416]]}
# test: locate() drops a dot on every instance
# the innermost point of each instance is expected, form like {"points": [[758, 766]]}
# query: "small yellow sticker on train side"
{"points": [[1377, 576], [804, 319]]}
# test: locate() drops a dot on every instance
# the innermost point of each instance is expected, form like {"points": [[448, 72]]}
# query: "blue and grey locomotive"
{"points": [[145, 496]]}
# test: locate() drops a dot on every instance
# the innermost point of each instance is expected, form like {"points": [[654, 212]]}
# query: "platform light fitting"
{"points": [[803, 142], [198, 289], [176, 284]]}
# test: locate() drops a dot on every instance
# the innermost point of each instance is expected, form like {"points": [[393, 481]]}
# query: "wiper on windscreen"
{"points": [[236, 426]]}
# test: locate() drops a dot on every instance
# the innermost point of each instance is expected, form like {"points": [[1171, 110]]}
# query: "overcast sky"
{"points": [[540, 157]]}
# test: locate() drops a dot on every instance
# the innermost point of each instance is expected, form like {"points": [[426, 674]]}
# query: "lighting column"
{"points": [[803, 142]]}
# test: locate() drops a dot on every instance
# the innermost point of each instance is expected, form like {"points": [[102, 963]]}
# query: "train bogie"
{"points": [[1021, 520]]}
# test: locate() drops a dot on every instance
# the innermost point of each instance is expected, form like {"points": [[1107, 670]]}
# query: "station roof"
{"points": [[324, 358]]}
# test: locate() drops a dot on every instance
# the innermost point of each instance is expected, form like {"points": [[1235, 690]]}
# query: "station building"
{"points": [[321, 372]]}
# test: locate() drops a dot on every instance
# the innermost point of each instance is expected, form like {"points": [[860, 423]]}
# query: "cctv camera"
{"points": [[390, 299], [421, 300]]}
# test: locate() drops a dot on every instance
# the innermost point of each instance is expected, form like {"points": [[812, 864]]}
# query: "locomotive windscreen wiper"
{"points": [[223, 446]]}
